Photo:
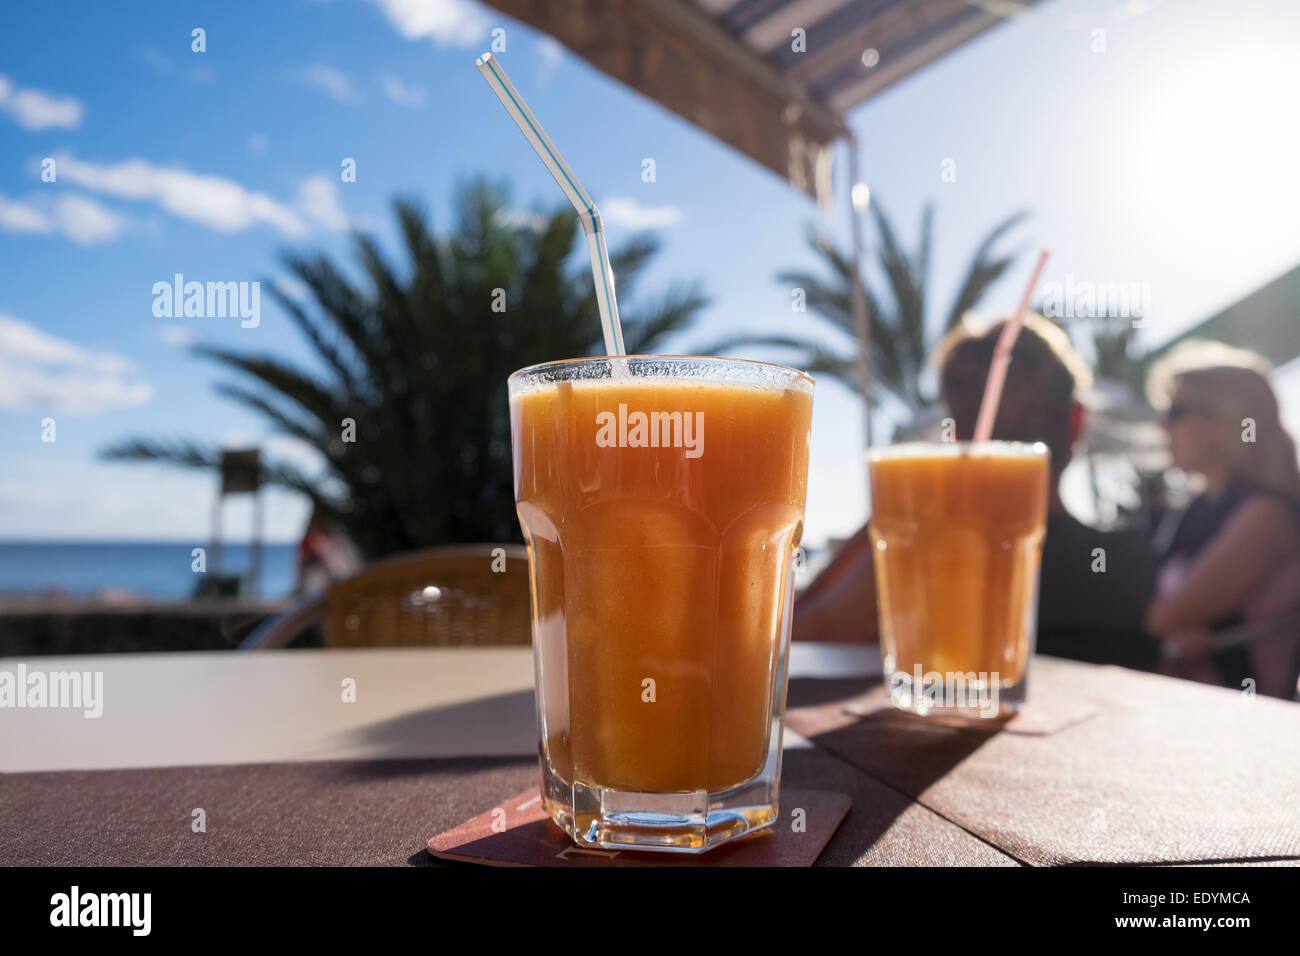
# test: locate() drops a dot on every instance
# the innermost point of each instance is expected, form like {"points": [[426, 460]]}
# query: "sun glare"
{"points": [[1210, 143]]}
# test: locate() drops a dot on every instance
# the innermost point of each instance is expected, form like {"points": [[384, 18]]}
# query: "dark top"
{"points": [[1184, 534], [1094, 615]]}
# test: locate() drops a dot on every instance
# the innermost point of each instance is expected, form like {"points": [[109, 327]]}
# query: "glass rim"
{"points": [[953, 449], [529, 371]]}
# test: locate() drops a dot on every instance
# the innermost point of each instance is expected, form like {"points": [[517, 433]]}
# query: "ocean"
{"points": [[156, 569]]}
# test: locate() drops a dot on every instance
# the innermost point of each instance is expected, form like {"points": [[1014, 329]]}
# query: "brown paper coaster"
{"points": [[1035, 718], [525, 836]]}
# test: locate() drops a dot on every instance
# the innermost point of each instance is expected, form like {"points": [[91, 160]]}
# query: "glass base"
{"points": [[681, 827], [603, 818], [965, 702]]}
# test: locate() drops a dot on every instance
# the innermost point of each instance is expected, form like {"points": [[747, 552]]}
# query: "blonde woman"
{"points": [[1228, 587]]}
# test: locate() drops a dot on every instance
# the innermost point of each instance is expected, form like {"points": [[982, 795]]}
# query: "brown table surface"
{"points": [[286, 772]]}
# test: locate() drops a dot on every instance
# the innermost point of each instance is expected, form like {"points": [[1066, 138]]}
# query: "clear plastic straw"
{"points": [[1002, 358], [587, 212]]}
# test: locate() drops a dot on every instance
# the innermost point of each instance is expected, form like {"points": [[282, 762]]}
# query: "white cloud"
{"points": [[62, 492], [86, 221], [520, 219], [445, 22], [629, 213], [35, 109], [23, 340], [200, 73], [551, 52], [22, 496], [211, 201], [294, 288], [179, 335], [400, 93], [277, 448], [293, 451], [334, 83], [236, 440], [41, 372], [80, 218], [156, 61], [21, 217], [318, 200]]}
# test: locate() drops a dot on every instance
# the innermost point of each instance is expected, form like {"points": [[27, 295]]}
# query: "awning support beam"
{"points": [[861, 315]]}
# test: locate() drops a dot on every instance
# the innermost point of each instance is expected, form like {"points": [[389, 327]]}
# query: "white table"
{"points": [[192, 709]]}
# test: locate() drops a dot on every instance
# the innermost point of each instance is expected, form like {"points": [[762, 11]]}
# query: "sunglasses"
{"points": [[1181, 410]]}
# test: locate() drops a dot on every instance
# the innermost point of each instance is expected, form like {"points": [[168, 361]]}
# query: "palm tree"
{"points": [[902, 333], [1114, 359], [418, 359]]}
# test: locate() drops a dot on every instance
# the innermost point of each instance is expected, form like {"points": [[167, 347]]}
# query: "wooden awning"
{"points": [[739, 70]]}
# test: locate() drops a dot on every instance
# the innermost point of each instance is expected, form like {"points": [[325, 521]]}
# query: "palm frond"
{"points": [[287, 423], [180, 452], [325, 345], [188, 454], [985, 269], [313, 397], [907, 293], [345, 306], [428, 273], [643, 331], [416, 354]]}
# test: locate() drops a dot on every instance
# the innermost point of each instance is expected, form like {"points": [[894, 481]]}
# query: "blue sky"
{"points": [[1165, 159]]}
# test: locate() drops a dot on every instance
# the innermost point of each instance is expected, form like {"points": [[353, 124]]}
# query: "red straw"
{"points": [[1002, 358]]}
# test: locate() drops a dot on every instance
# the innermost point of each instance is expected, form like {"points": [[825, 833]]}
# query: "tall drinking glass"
{"points": [[662, 500], [958, 533]]}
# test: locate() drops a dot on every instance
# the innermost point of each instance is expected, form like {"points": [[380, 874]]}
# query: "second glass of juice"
{"points": [[662, 501], [958, 533]]}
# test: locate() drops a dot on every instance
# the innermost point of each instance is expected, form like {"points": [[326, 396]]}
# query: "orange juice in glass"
{"points": [[958, 532], [661, 499]]}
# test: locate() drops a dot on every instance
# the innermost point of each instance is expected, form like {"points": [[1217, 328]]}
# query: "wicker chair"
{"points": [[442, 597]]}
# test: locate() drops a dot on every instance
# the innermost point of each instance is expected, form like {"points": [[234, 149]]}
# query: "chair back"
{"points": [[474, 594]]}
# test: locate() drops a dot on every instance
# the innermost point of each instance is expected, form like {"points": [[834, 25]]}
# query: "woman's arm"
{"points": [[1259, 536], [840, 605]]}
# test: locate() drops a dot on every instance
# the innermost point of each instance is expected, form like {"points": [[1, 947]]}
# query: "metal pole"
{"points": [[214, 563], [861, 317], [255, 552]]}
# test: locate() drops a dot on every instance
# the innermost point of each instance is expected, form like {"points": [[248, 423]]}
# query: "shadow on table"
{"points": [[385, 768], [905, 752], [504, 725], [817, 691], [887, 759]]}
